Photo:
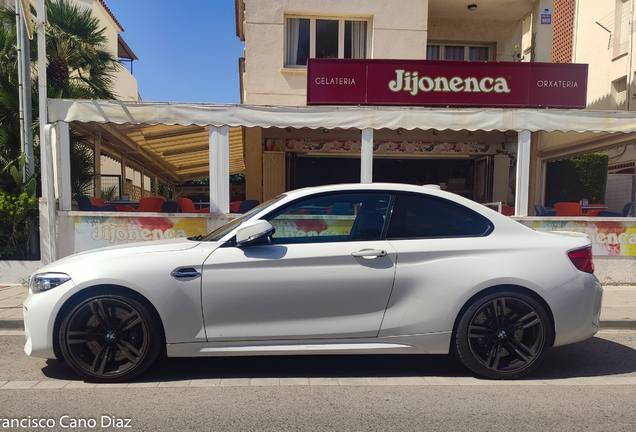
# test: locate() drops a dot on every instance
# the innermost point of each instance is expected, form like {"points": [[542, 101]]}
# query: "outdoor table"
{"points": [[594, 207]]}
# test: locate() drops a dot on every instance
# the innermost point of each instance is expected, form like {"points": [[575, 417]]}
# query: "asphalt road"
{"points": [[561, 405]]}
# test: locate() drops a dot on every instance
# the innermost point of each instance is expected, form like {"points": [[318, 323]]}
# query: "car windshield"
{"points": [[221, 232]]}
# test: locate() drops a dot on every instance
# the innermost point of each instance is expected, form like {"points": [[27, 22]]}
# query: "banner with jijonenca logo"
{"points": [[93, 232], [445, 83]]}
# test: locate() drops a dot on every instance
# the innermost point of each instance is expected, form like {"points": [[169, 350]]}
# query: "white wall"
{"points": [[504, 34], [398, 29], [595, 46], [620, 191]]}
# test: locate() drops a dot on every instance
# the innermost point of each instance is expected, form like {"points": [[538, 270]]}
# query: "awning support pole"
{"points": [[43, 117], [219, 169], [366, 156], [48, 237], [123, 177], [24, 84], [544, 174], [523, 174], [64, 163], [97, 167]]}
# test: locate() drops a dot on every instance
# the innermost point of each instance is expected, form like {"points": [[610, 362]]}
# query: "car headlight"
{"points": [[45, 281]]}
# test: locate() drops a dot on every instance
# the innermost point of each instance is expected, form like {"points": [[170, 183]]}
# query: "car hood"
{"points": [[104, 254]]}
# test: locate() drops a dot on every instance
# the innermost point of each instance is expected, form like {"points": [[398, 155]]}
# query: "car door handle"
{"points": [[369, 253], [185, 273]]}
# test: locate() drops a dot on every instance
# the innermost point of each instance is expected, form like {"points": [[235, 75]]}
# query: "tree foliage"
{"points": [[79, 66], [18, 222], [574, 179]]}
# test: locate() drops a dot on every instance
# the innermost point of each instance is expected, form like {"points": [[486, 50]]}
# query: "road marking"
{"points": [[322, 381]]}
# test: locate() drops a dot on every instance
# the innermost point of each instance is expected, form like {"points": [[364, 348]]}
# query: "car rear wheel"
{"points": [[109, 338], [503, 335]]}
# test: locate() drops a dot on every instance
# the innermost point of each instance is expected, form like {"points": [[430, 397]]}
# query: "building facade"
{"points": [[125, 82], [281, 35], [603, 36]]}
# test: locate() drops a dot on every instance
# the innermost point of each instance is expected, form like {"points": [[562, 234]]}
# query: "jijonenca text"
{"points": [[114, 233], [65, 422], [412, 83]]}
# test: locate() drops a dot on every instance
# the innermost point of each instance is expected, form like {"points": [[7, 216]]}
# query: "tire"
{"points": [[110, 338], [504, 335]]}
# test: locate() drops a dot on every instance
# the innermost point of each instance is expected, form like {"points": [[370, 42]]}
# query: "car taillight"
{"points": [[582, 259]]}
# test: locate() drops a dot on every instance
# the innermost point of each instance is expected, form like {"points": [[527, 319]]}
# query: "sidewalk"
{"points": [[618, 312]]}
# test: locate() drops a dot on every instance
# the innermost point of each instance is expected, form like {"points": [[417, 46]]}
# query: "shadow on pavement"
{"points": [[591, 358], [594, 357]]}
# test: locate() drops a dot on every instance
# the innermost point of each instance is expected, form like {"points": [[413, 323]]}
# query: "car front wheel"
{"points": [[109, 338], [503, 335]]}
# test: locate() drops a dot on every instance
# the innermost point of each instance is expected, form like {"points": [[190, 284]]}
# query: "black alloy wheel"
{"points": [[503, 335], [109, 338]]}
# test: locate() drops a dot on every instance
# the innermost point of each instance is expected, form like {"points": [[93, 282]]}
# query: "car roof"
{"points": [[432, 190], [402, 187]]}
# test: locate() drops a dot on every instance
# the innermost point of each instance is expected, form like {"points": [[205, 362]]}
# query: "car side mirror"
{"points": [[252, 232]]}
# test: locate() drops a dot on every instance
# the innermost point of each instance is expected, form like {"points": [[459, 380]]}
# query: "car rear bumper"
{"points": [[576, 307]]}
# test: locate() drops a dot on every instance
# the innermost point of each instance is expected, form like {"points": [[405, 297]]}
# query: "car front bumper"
{"points": [[40, 312]]}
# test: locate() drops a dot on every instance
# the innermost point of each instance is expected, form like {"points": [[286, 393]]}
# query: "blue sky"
{"points": [[188, 50]]}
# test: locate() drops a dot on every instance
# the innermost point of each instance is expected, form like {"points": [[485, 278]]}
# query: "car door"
{"points": [[444, 248], [326, 274]]}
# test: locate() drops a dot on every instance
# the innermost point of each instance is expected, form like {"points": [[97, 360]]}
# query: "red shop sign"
{"points": [[445, 83]]}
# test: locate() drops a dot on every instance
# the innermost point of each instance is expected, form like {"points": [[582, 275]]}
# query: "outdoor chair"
{"points": [[340, 208], [150, 204], [247, 205], [124, 208], [367, 226], [84, 204], [573, 209], [507, 210], [99, 202], [234, 206], [624, 213], [169, 207], [542, 211], [187, 206]]}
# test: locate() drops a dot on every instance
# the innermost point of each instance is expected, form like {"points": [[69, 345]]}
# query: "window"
{"points": [[221, 232], [426, 217], [332, 218], [324, 38], [619, 91], [458, 52], [526, 39], [622, 26]]}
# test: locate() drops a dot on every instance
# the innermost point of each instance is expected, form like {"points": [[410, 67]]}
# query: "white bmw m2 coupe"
{"points": [[343, 269]]}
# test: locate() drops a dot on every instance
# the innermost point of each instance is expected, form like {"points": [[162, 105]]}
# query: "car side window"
{"points": [[332, 218], [420, 216]]}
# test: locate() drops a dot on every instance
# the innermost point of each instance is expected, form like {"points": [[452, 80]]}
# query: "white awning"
{"points": [[331, 117]]}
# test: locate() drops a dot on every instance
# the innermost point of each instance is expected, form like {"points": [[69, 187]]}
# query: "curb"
{"points": [[618, 325], [11, 324], [604, 325]]}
